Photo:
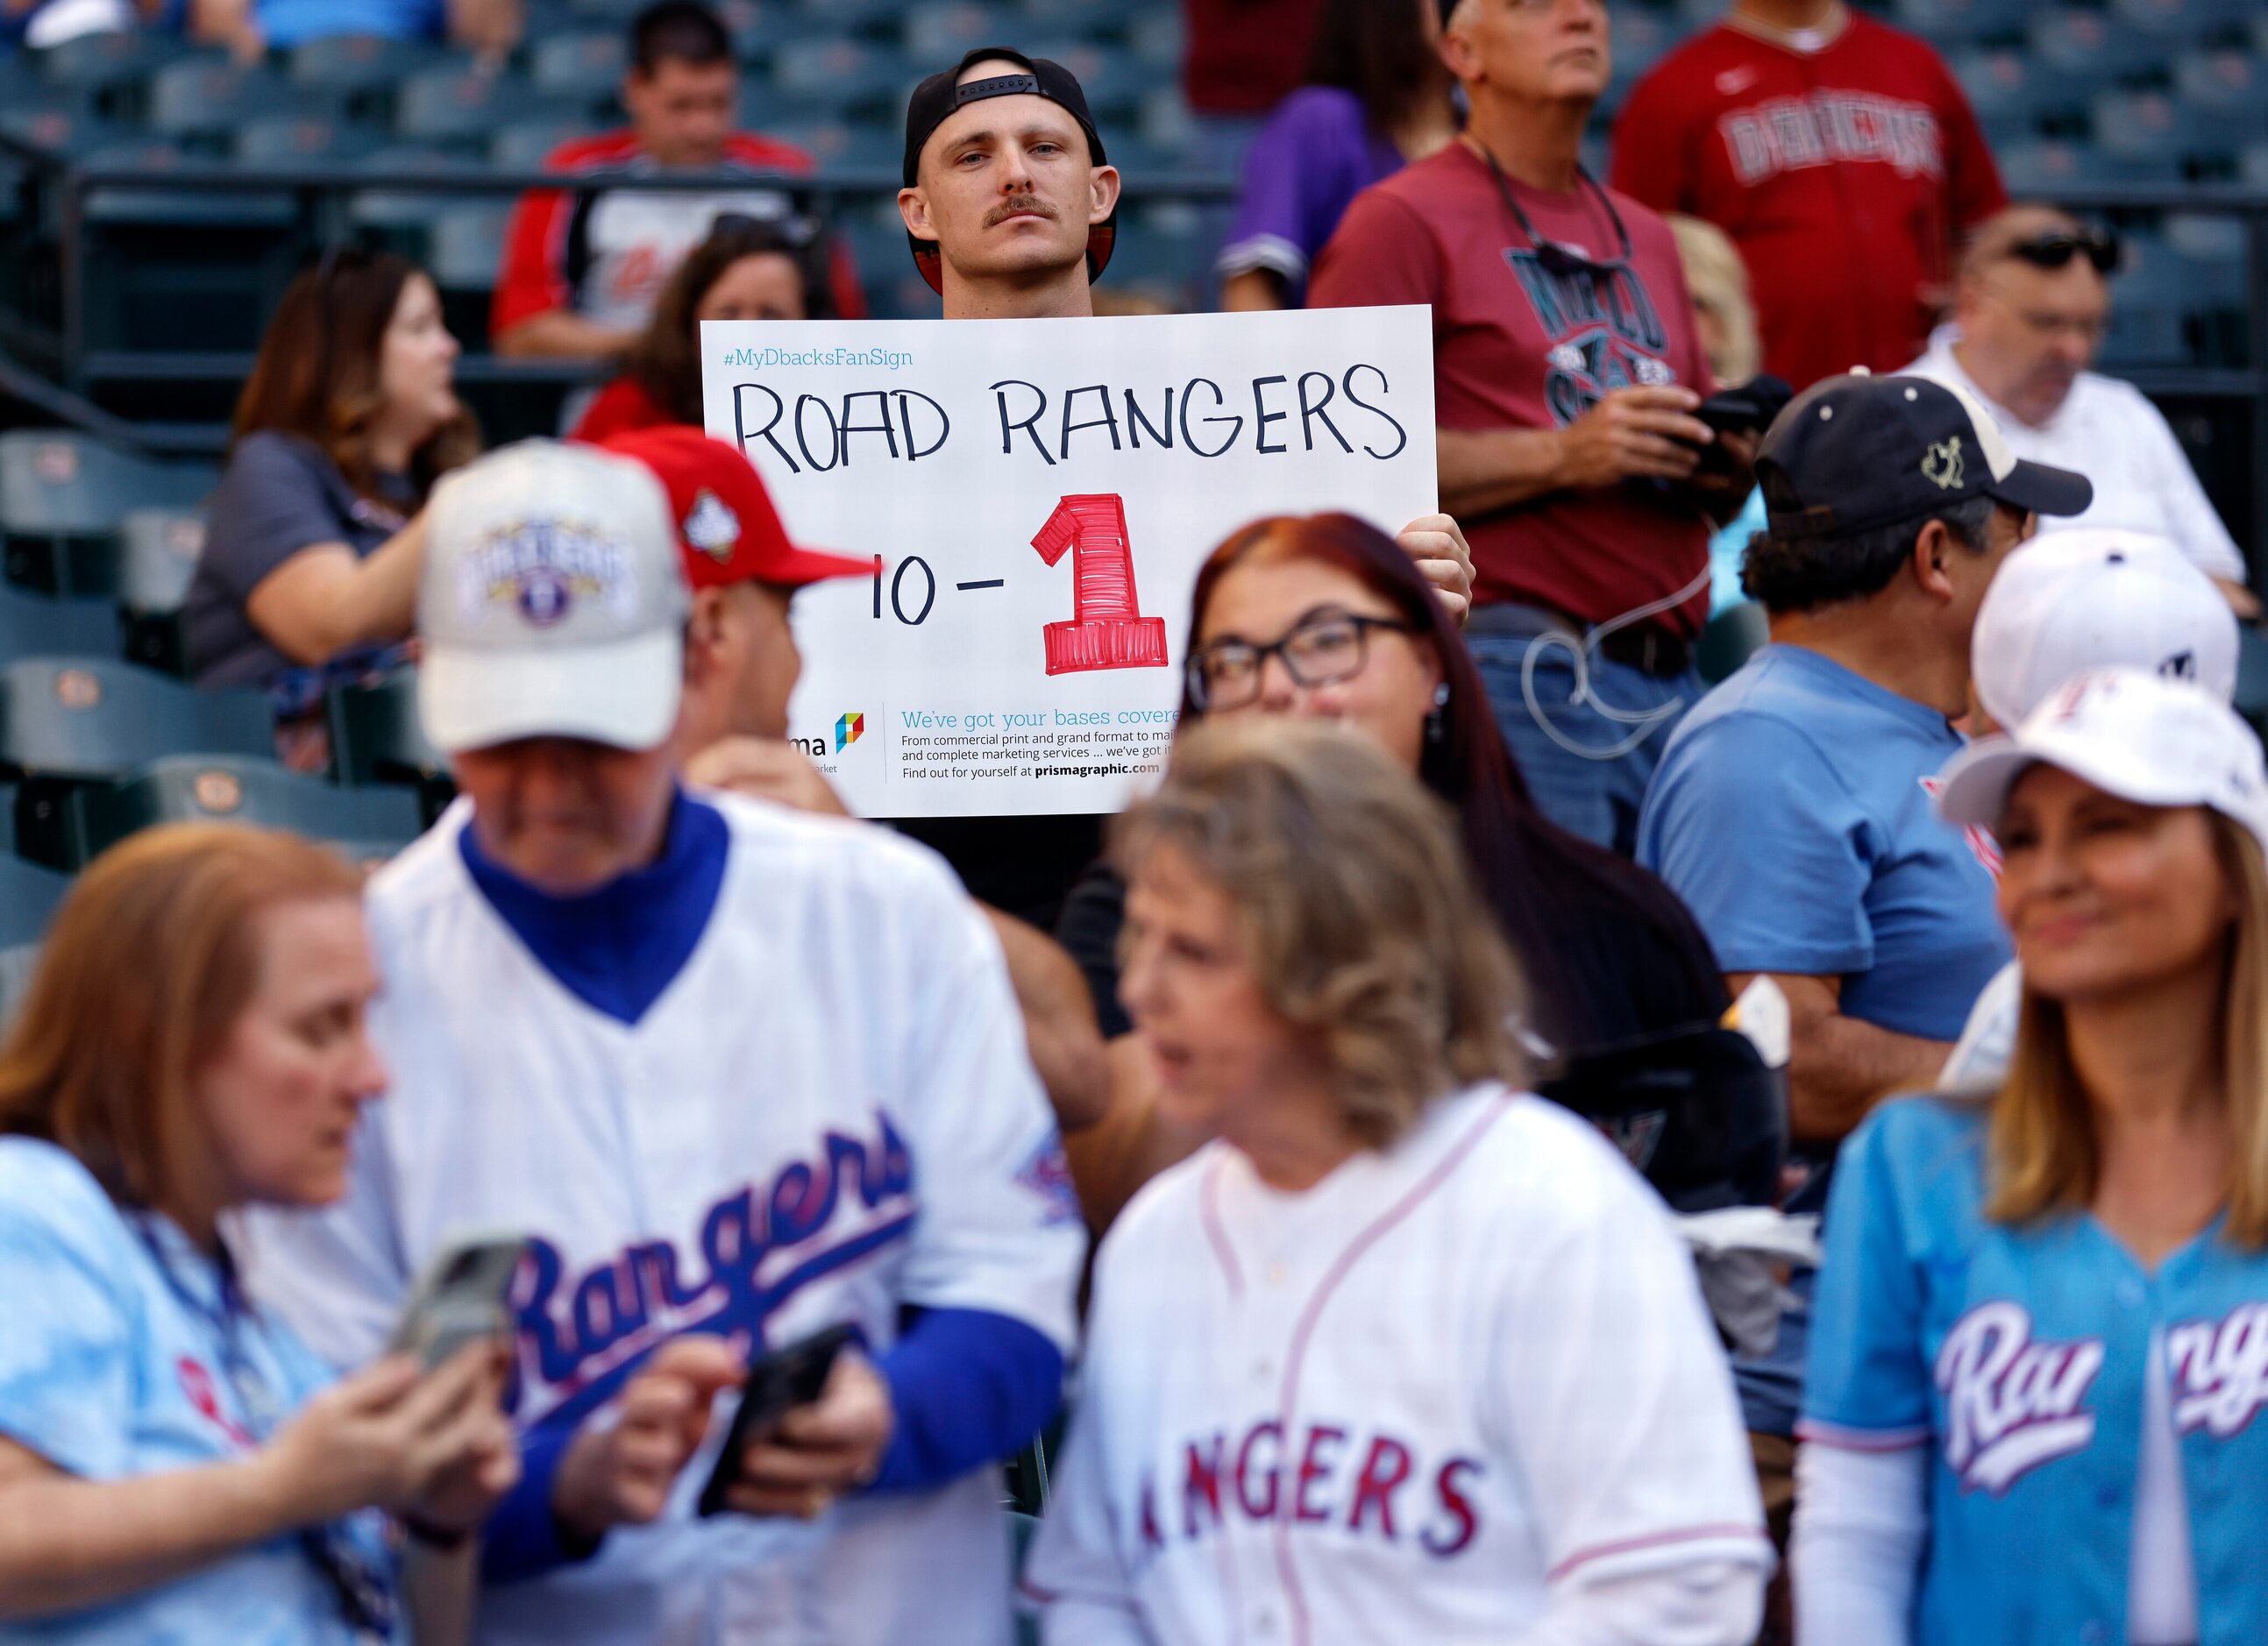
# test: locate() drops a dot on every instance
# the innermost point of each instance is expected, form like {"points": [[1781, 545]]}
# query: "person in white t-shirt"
{"points": [[2079, 601], [2029, 311]]}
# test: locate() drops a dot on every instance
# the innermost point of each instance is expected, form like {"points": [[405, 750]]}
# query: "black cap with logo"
{"points": [[936, 99], [1862, 452]]}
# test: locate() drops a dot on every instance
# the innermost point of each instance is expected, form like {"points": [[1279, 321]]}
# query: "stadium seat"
{"points": [[2091, 50], [1157, 36], [115, 69], [1114, 79], [39, 625], [63, 131], [941, 34], [854, 15], [363, 69], [583, 67], [1085, 16], [199, 101], [524, 145], [455, 108], [463, 256], [69, 722], [2142, 137], [2046, 167], [2226, 91], [2147, 325], [2005, 87], [157, 551], [17, 965], [2252, 677], [299, 140], [2211, 254], [2183, 20], [1731, 636], [400, 219], [847, 73], [2252, 165], [376, 738], [62, 498], [28, 896], [840, 145], [1947, 21], [254, 790]]}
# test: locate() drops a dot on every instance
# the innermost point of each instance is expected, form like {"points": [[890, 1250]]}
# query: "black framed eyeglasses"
{"points": [[2058, 247], [1320, 651]]}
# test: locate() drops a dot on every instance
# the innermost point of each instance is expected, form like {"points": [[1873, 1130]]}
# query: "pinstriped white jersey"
{"points": [[827, 1115], [1401, 1405]]}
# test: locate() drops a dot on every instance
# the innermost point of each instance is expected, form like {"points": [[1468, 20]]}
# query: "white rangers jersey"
{"points": [[1410, 1403], [827, 1115]]}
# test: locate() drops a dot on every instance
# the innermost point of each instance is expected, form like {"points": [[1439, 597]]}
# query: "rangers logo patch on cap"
{"points": [[712, 528]]}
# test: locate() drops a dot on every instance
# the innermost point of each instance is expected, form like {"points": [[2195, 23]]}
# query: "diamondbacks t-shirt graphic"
{"points": [[1605, 331]]}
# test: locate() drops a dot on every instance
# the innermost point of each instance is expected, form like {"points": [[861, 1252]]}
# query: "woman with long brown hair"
{"points": [[2040, 1340], [174, 1464], [748, 268], [1325, 617], [349, 415]]}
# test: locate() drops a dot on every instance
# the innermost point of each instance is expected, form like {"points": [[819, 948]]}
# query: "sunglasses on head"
{"points": [[2058, 246]]}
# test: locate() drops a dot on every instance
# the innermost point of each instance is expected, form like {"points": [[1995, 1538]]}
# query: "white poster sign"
{"points": [[1036, 496]]}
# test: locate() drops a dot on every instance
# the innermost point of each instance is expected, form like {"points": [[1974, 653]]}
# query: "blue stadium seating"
{"points": [[2092, 50], [586, 67], [939, 35], [238, 789], [300, 140], [2184, 19], [1956, 21]]}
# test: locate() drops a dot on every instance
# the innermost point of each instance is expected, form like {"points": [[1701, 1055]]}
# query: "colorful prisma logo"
{"points": [[849, 729]]}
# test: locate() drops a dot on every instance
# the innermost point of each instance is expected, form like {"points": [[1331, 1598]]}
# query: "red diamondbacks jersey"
{"points": [[1843, 175], [606, 253]]}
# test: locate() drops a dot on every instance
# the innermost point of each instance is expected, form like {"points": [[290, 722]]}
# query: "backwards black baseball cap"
{"points": [[936, 99], [1859, 451]]}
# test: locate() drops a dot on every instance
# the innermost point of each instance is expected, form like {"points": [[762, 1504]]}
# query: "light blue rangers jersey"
{"points": [[113, 1363], [2019, 1357]]}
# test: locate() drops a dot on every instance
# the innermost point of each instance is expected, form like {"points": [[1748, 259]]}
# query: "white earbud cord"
{"points": [[1645, 721]]}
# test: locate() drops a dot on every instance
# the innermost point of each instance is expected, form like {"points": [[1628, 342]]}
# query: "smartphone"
{"points": [[463, 1297], [778, 1383]]}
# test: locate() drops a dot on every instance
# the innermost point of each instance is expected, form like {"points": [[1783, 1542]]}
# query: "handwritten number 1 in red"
{"points": [[1106, 628]]}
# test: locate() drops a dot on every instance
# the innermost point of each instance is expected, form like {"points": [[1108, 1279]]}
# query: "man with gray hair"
{"points": [[2029, 311]]}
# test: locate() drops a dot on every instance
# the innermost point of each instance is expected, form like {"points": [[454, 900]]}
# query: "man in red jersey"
{"points": [[1841, 158], [582, 268], [1566, 372]]}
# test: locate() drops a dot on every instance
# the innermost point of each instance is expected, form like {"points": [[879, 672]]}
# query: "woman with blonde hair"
{"points": [[174, 1465], [1405, 1353], [2042, 1328]]}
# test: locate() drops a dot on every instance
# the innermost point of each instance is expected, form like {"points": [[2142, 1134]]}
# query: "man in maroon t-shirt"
{"points": [[1566, 371], [1840, 157]]}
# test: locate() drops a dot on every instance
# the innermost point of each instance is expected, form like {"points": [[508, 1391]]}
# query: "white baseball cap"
{"points": [[2130, 732], [551, 603], [2091, 598]]}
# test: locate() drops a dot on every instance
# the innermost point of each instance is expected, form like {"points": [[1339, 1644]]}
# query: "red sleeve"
{"points": [[1972, 181], [620, 408], [534, 278], [1380, 254], [842, 280], [1655, 153]]}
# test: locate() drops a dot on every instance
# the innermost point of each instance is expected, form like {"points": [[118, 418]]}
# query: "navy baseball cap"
{"points": [[936, 99], [1859, 451]]}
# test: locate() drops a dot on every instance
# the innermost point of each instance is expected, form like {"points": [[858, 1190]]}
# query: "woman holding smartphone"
{"points": [[174, 1465]]}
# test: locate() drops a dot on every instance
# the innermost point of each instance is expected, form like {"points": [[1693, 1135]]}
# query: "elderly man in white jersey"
{"points": [[742, 1073]]}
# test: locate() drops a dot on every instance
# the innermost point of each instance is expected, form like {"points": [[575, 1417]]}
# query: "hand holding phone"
{"points": [[778, 1383], [463, 1297]]}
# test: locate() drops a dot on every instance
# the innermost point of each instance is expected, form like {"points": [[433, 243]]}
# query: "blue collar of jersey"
{"points": [[616, 949]]}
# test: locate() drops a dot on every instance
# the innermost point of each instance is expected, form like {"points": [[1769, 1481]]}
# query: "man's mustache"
{"points": [[1016, 205]]}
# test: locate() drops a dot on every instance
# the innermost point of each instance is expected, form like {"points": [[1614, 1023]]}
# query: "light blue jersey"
{"points": [[113, 1363], [2020, 1357]]}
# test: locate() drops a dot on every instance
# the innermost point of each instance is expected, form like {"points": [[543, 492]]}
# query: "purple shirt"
{"points": [[1316, 153]]}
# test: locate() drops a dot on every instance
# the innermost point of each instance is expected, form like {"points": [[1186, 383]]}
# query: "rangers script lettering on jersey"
{"points": [[827, 1115], [2019, 1356], [1421, 1401]]}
